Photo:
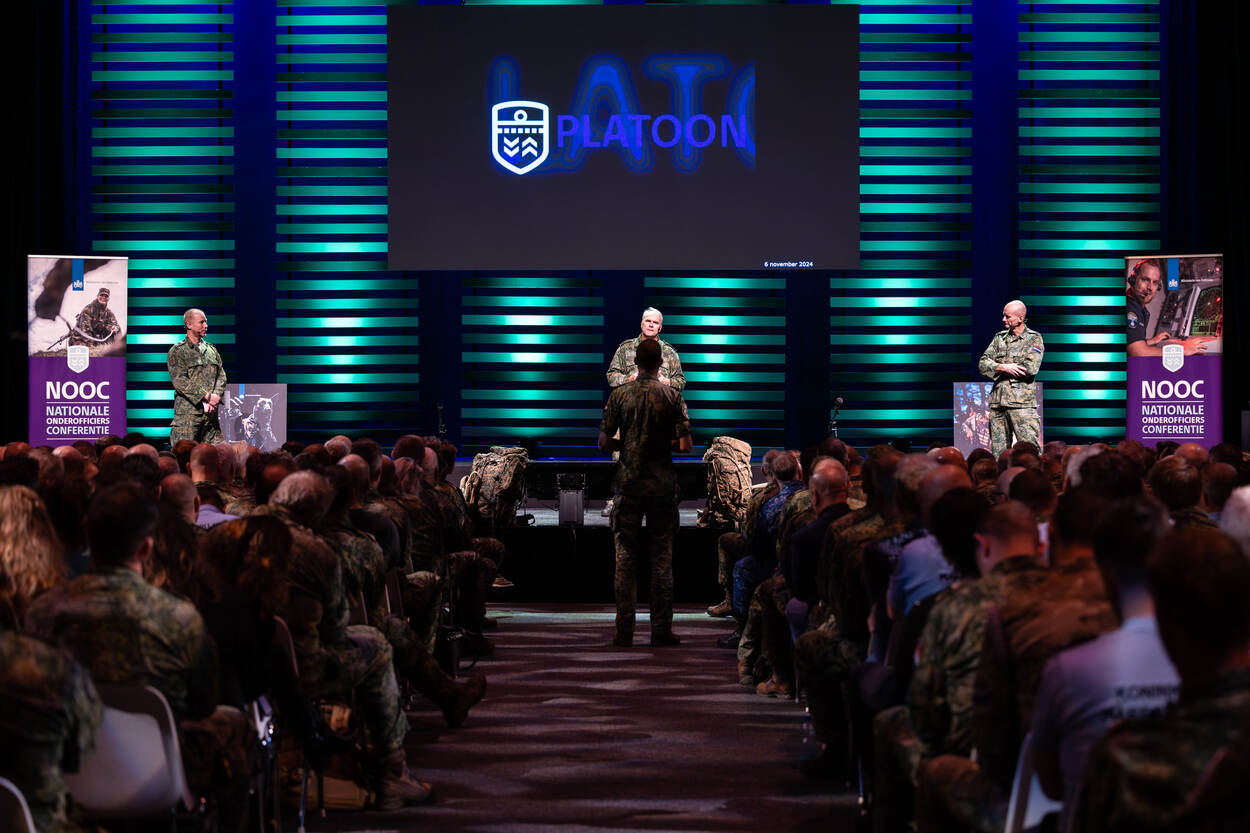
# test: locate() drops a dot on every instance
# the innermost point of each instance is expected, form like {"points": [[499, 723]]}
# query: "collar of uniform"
{"points": [[638, 340], [1017, 564]]}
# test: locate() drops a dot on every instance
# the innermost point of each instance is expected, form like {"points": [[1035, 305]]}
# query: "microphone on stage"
{"points": [[833, 422]]}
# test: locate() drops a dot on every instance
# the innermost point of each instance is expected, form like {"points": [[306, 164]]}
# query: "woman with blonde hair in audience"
{"points": [[30, 552]]}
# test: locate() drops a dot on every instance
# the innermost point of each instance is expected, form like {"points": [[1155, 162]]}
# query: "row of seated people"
{"points": [[117, 568], [937, 610]]}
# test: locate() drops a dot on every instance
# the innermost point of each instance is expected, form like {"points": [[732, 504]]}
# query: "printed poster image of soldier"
{"points": [[971, 414], [256, 419], [63, 312], [1175, 301]]}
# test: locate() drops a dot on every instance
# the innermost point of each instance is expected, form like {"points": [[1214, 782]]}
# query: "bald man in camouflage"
{"points": [[1012, 361], [199, 382]]}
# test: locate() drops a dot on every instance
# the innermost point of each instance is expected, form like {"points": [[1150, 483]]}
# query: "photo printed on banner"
{"points": [[76, 303]]}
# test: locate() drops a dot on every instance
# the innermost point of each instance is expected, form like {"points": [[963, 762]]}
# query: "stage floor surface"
{"points": [[576, 735]]}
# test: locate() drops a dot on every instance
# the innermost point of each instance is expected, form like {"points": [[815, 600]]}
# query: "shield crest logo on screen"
{"points": [[1173, 357], [519, 131], [77, 357]]}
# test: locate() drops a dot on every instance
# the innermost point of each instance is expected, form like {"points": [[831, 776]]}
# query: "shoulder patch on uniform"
{"points": [[1133, 320], [1035, 349]]}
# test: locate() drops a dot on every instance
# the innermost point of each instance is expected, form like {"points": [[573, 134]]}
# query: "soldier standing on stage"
{"points": [[622, 368], [652, 420], [1012, 360], [199, 382], [96, 320]]}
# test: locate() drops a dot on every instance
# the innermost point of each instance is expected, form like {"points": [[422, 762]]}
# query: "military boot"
{"points": [[396, 786]]}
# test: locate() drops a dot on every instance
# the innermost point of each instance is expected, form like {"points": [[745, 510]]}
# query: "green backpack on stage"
{"points": [[728, 482], [495, 488]]}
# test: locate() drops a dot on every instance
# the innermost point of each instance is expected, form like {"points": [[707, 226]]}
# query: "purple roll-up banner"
{"points": [[1175, 345], [76, 348]]}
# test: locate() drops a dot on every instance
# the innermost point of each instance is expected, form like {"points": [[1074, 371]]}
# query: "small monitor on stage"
{"points": [[623, 137]]}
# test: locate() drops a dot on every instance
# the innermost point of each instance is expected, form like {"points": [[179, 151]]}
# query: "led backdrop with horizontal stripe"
{"points": [[238, 156]]}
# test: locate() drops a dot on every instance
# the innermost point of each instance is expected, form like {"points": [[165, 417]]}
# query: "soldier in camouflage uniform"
{"points": [[199, 382], [622, 368], [127, 632], [49, 712], [96, 320], [652, 420], [336, 659], [1188, 769], [1012, 361]]}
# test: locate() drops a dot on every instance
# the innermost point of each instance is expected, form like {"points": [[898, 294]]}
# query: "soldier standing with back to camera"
{"points": [[652, 420]]}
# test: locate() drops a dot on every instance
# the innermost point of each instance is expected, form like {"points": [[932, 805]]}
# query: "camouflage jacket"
{"points": [[649, 415], [364, 566], [127, 632], [623, 365], [393, 509], [195, 373], [1025, 350], [455, 513], [1143, 774], [427, 532], [796, 514], [1041, 613], [96, 320], [49, 710], [840, 573], [750, 518]]}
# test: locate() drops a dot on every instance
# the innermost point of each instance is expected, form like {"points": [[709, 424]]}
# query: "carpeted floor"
{"points": [[575, 735]]}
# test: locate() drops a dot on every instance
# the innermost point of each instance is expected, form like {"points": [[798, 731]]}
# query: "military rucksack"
{"points": [[495, 488], [728, 482]]}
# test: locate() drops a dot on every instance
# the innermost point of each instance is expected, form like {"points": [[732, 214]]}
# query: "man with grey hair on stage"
{"points": [[622, 369]]}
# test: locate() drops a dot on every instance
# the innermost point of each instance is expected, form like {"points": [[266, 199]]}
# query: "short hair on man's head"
{"points": [[370, 452], [306, 495], [1235, 518], [338, 448], [908, 473], [273, 470], [648, 356], [207, 459], [879, 474], [1033, 488], [293, 447], [209, 496], [1176, 482], [1024, 458], [977, 454], [1218, 482], [182, 450], [178, 492], [828, 478], [1111, 475], [954, 518], [1141, 457], [446, 458], [361, 478], [766, 464], [984, 470], [653, 310], [1076, 516], [785, 467], [118, 519], [1224, 453], [190, 315], [409, 445], [1008, 521], [832, 447], [1200, 580], [1124, 535]]}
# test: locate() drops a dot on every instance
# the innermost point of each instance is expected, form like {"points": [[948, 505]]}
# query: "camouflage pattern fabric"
{"points": [[767, 632], [195, 372], [1191, 517], [1011, 394], [1025, 350], [728, 482], [730, 549], [237, 498], [335, 660], [649, 415], [1041, 612], [495, 488], [855, 497], [393, 508], [49, 710], [953, 795], [127, 632], [896, 761], [1150, 775], [627, 515], [623, 364], [425, 522], [939, 701], [796, 514], [97, 321]]}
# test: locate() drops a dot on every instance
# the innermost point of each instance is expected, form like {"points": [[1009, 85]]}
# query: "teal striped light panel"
{"points": [[162, 164], [899, 325], [1089, 195]]}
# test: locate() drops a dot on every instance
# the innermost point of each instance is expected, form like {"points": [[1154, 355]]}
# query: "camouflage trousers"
{"points": [[662, 518], [198, 427], [896, 760], [953, 794], [422, 592], [472, 573], [361, 669], [217, 751], [1022, 423], [824, 663], [766, 633], [731, 548]]}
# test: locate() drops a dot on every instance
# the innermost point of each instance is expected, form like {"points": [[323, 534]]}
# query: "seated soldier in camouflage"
{"points": [[127, 632], [364, 578], [335, 659]]}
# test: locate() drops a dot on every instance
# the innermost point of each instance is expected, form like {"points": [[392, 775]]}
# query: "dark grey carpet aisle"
{"points": [[575, 735]]}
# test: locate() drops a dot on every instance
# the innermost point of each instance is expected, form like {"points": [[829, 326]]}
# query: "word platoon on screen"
{"points": [[623, 137]]}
